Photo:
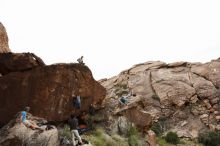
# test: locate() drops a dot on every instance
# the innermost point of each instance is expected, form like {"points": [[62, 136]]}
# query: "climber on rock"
{"points": [[28, 122], [80, 60], [124, 99], [76, 101]]}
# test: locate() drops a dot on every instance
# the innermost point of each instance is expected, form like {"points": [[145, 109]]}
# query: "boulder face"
{"points": [[174, 94], [46, 89], [4, 48]]}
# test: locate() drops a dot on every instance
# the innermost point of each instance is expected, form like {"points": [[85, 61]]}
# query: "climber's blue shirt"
{"points": [[23, 114]]}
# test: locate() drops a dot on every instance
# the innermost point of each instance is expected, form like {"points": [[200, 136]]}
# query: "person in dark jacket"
{"points": [[73, 123]]}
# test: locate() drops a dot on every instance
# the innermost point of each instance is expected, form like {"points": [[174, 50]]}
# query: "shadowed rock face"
{"points": [[46, 89], [174, 94], [4, 48]]}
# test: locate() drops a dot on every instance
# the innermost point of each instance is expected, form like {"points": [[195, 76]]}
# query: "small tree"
{"points": [[157, 128]]}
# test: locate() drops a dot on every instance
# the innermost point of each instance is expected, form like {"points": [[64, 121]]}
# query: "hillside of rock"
{"points": [[182, 97]]}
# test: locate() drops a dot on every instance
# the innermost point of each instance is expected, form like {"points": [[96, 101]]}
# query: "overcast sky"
{"points": [[114, 35]]}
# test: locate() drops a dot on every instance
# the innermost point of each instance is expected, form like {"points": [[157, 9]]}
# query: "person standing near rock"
{"points": [[73, 123], [26, 122]]}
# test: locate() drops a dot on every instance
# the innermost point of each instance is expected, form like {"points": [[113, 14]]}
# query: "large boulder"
{"points": [[4, 48], [47, 90], [141, 118]]}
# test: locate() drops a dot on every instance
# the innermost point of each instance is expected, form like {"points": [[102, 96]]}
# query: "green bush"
{"points": [[90, 122], [122, 86], [172, 138], [157, 128], [100, 138], [121, 89], [121, 141], [133, 136], [113, 97], [209, 138], [155, 97], [65, 132], [162, 142], [161, 80], [121, 92]]}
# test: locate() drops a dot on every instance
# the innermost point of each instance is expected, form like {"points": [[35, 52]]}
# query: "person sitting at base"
{"points": [[28, 123], [73, 123]]}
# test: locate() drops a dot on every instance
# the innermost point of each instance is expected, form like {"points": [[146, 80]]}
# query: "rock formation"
{"points": [[18, 62], [183, 96], [17, 134], [4, 48], [26, 81]]}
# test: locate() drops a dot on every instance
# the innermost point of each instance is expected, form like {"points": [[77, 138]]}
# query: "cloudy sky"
{"points": [[113, 35]]}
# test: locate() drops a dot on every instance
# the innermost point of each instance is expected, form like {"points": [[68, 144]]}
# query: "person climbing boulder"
{"points": [[77, 101], [125, 99]]}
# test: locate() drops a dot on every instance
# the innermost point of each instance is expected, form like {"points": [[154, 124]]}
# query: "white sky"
{"points": [[113, 35]]}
